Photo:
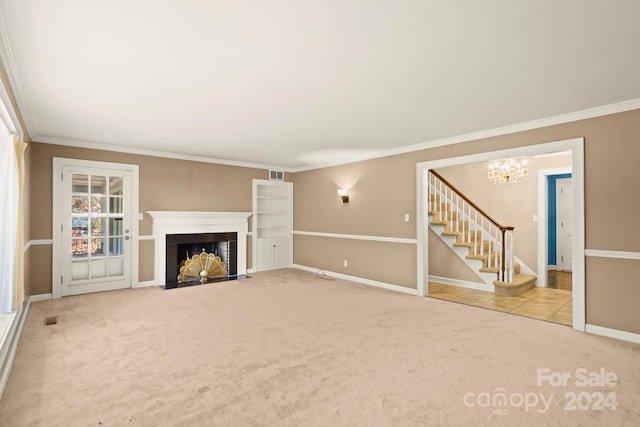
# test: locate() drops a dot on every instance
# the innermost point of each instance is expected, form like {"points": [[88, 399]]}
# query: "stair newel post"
{"points": [[497, 251], [502, 254]]}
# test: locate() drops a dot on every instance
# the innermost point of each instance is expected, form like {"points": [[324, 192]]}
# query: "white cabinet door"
{"points": [[272, 253], [264, 253], [280, 252]]}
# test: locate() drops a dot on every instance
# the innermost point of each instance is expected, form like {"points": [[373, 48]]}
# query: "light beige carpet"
{"points": [[288, 348]]}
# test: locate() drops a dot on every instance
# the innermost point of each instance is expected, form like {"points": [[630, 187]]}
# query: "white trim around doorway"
{"points": [[576, 147]]}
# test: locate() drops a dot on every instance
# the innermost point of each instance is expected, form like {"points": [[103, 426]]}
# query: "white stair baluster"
{"points": [[457, 210], [475, 231], [450, 214], [482, 235], [469, 226], [440, 204], [432, 195], [490, 246], [511, 255]]}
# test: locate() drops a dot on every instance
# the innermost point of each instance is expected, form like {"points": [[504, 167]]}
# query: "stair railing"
{"points": [[457, 212]]}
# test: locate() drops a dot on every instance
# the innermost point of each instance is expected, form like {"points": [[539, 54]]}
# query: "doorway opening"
{"points": [[576, 148], [559, 242]]}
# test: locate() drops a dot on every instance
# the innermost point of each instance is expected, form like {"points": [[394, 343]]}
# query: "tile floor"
{"points": [[559, 280], [553, 305]]}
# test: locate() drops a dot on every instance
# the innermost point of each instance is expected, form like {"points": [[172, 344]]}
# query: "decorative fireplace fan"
{"points": [[203, 266]]}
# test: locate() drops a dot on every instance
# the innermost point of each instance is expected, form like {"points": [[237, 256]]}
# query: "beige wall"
{"points": [[165, 184], [393, 262], [613, 293], [382, 190]]}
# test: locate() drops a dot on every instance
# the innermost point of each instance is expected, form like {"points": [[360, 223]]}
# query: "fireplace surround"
{"points": [[178, 223]]}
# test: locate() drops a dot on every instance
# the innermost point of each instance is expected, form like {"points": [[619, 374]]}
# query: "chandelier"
{"points": [[507, 170]]}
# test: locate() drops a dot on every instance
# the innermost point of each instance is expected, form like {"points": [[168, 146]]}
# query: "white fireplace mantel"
{"points": [[186, 222]]}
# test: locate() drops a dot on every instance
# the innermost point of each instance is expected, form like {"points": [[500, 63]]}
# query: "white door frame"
{"points": [[58, 164], [543, 235], [576, 146]]}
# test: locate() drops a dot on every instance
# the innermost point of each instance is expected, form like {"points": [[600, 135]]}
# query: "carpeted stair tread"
{"points": [[521, 283]]}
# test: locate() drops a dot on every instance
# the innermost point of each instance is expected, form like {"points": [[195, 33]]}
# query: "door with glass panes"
{"points": [[96, 229]]}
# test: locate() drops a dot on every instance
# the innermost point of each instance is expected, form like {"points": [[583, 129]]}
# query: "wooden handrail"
{"points": [[469, 201]]}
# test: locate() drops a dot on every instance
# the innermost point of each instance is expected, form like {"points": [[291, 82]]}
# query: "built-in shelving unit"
{"points": [[272, 224]]}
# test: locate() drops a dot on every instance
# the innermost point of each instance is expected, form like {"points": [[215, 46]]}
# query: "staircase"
{"points": [[482, 243]]}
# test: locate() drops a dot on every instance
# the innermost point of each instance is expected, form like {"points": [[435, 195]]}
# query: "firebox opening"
{"points": [[179, 246]]}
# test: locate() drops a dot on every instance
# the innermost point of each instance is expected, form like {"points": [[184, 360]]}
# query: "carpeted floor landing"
{"points": [[286, 348]]}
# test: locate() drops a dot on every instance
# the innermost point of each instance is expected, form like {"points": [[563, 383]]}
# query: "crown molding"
{"points": [[146, 152], [604, 110]]}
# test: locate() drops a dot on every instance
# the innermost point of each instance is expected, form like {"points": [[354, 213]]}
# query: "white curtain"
{"points": [[9, 196], [18, 274]]}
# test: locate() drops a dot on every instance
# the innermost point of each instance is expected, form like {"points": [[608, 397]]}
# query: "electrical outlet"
{"points": [[346, 263], [406, 217]]}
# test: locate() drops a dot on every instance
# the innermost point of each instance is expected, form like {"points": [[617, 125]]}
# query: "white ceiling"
{"points": [[298, 84]]}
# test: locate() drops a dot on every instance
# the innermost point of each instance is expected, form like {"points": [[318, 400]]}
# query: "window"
{"points": [[8, 217]]}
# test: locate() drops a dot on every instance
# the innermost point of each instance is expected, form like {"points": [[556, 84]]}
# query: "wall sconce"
{"points": [[344, 195]]}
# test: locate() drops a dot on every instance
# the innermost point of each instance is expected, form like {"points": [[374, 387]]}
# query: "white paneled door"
{"points": [[564, 224], [96, 229]]}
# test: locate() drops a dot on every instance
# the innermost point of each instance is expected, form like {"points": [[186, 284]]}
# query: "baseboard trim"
{"points": [[40, 297], [462, 283], [362, 280], [9, 347], [613, 333], [145, 284]]}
